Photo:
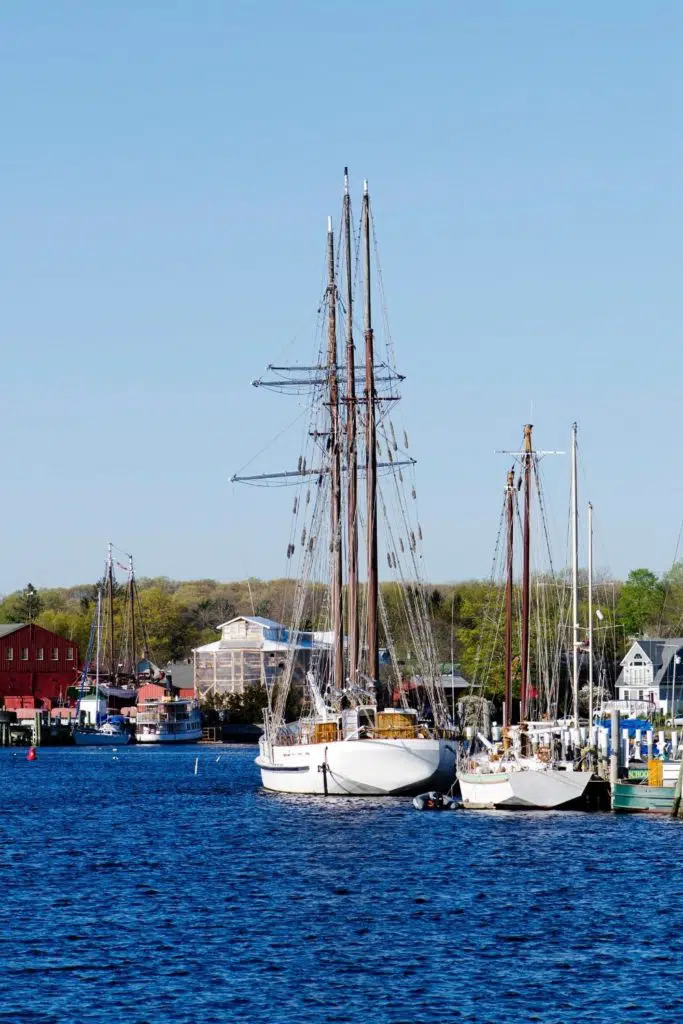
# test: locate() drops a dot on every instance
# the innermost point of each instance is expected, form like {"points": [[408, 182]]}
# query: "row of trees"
{"points": [[466, 617]]}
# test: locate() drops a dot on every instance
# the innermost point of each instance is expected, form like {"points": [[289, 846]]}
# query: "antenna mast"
{"points": [[575, 581], [337, 593], [370, 453], [352, 454]]}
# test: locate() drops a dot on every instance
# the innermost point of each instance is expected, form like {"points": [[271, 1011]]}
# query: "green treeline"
{"points": [[467, 618]]}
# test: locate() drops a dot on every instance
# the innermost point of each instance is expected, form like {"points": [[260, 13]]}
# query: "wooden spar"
{"points": [[110, 598], [370, 454], [131, 598], [526, 559], [352, 454], [590, 626], [335, 465], [509, 504]]}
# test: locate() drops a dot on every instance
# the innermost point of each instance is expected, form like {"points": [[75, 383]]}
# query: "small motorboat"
{"points": [[434, 801]]}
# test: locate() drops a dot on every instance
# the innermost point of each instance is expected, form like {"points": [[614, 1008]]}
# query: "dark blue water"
{"points": [[134, 891]]}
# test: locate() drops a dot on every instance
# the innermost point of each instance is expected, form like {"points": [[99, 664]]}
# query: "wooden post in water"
{"points": [[615, 747]]}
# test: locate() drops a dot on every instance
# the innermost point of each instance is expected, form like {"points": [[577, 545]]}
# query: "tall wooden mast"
{"points": [[335, 460], [110, 598], [352, 454], [370, 452], [509, 508], [131, 601], [526, 560]]}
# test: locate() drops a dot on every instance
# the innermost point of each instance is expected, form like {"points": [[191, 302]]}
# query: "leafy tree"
{"points": [[24, 606], [640, 602]]}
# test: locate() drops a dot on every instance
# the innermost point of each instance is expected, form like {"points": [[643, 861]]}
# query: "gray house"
{"points": [[651, 677]]}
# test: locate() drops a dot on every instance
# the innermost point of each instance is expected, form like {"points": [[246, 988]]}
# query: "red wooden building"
{"points": [[34, 662]]}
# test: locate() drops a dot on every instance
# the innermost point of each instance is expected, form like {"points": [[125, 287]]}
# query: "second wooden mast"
{"points": [[370, 453], [335, 459]]}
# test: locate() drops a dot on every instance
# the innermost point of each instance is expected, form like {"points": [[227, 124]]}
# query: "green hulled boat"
{"points": [[634, 797]]}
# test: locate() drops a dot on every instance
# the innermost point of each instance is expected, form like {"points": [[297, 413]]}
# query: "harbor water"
{"points": [[142, 887]]}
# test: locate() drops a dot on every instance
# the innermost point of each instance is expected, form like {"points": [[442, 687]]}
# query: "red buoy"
{"points": [[32, 754]]}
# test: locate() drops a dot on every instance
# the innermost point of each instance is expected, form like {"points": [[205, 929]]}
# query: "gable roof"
{"points": [[10, 627], [659, 651], [258, 619]]}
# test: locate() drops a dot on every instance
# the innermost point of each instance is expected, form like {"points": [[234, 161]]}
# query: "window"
{"points": [[55, 654], [69, 654], [40, 654], [9, 655], [24, 653]]}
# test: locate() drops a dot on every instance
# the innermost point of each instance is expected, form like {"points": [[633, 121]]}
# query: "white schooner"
{"points": [[358, 733]]}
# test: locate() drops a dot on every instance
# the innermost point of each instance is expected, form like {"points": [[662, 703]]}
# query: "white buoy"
{"points": [[196, 765]]}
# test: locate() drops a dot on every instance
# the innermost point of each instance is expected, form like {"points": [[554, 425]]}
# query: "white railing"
{"points": [[629, 707]]}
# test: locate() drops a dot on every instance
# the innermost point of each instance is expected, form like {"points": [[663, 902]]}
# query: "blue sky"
{"points": [[166, 175]]}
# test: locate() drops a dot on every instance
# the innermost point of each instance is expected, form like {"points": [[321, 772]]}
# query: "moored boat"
{"points": [[346, 741], [168, 719]]}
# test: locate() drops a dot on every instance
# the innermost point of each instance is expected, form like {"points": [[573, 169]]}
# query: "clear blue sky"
{"points": [[167, 170]]}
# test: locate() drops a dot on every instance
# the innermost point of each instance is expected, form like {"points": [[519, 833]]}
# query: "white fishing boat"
{"points": [[349, 738], [168, 719]]}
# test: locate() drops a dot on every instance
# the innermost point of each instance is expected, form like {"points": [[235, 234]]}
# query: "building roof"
{"points": [[11, 627], [660, 652], [258, 619]]}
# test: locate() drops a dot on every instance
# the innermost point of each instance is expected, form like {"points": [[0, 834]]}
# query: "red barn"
{"points": [[34, 662]]}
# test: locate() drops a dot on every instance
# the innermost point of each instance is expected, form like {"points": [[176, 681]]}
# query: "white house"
{"points": [[651, 677], [251, 650]]}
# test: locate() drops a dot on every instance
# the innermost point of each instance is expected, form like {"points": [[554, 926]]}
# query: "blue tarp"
{"points": [[629, 723]]}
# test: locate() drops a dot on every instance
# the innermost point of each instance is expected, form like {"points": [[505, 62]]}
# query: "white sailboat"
{"points": [[523, 772], [347, 741], [92, 728]]}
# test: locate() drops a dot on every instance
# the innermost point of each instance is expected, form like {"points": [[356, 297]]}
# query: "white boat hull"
{"points": [[522, 789], [189, 736], [367, 767], [101, 739]]}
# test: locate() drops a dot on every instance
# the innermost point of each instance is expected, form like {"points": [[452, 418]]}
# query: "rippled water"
{"points": [[136, 891]]}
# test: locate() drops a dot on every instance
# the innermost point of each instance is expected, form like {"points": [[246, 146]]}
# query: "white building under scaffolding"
{"points": [[251, 651]]}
